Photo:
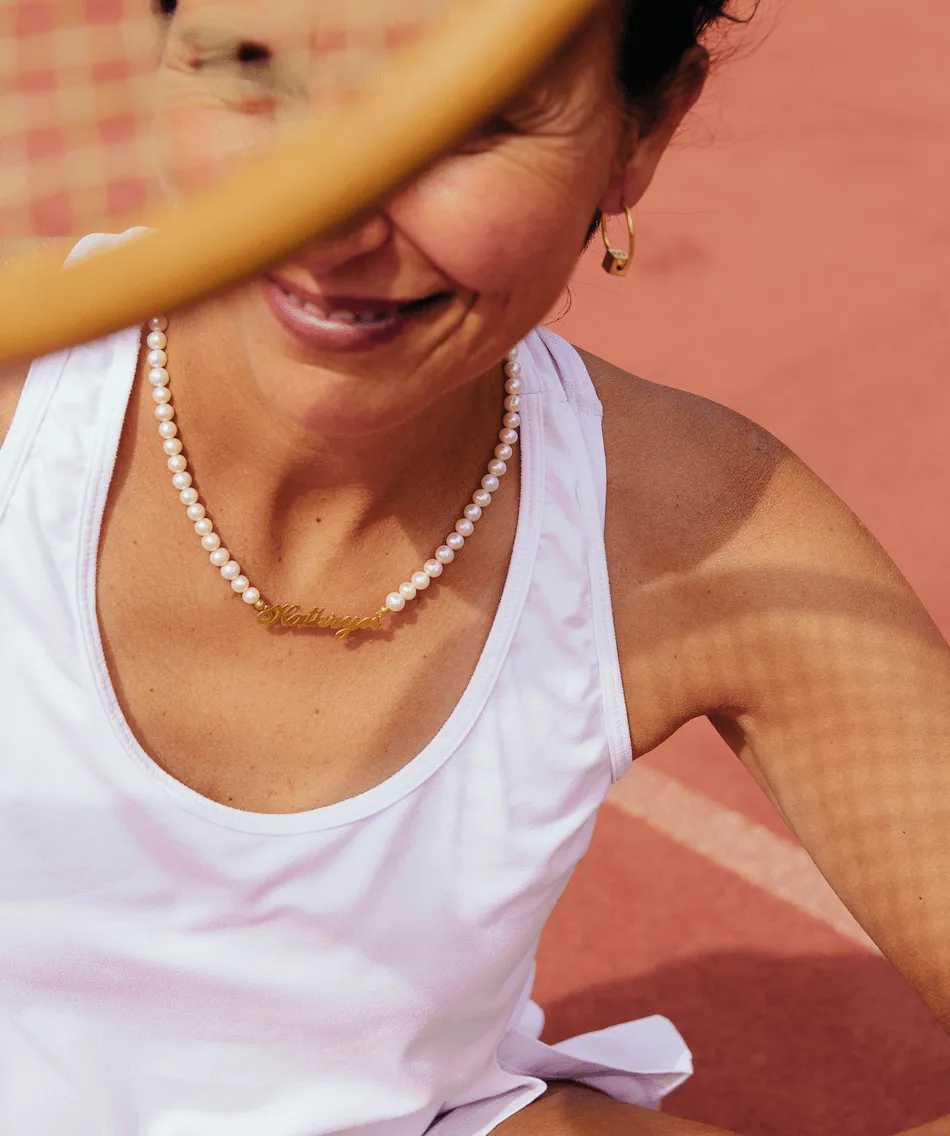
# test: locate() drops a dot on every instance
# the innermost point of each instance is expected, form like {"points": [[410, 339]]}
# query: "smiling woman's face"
{"points": [[429, 293]]}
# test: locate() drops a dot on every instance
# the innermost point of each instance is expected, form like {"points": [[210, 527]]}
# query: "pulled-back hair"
{"points": [[654, 36]]}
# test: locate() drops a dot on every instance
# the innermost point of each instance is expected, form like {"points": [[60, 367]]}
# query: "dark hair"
{"points": [[655, 35]]}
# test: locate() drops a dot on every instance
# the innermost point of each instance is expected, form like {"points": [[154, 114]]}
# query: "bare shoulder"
{"points": [[714, 530], [13, 376], [705, 479], [685, 473]]}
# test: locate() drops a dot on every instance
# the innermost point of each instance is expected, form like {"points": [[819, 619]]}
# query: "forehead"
{"points": [[326, 47], [327, 50], [368, 29], [329, 24]]}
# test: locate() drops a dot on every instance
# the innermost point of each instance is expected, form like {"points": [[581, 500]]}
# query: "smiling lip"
{"points": [[340, 323]]}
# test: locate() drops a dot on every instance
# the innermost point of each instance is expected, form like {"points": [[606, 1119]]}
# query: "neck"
{"points": [[298, 503]]}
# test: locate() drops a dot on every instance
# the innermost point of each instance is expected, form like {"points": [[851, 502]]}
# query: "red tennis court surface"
{"points": [[792, 265]]}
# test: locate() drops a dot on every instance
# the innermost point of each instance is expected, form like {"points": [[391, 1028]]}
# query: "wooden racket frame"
{"points": [[475, 58]]}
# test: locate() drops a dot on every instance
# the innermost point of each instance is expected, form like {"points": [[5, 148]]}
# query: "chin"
{"points": [[326, 402], [335, 386]]}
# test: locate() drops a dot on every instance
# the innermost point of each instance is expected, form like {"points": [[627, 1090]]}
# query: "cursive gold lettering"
{"points": [[290, 615], [268, 616]]}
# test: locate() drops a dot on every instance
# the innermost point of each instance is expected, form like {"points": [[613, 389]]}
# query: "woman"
{"points": [[291, 778]]}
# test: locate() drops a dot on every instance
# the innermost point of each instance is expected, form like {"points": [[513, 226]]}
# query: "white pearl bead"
{"points": [[251, 596], [455, 541], [164, 412], [167, 429], [211, 542], [513, 354], [231, 570], [158, 377], [512, 421], [188, 496], [504, 453], [240, 584], [196, 512], [420, 581], [490, 483], [473, 513], [219, 557], [177, 463], [514, 386], [161, 394], [508, 436], [158, 323], [181, 480], [497, 467], [481, 498], [513, 402], [156, 340], [203, 525], [395, 601], [513, 369], [444, 554], [407, 591], [432, 568], [171, 446], [464, 527], [156, 358]]}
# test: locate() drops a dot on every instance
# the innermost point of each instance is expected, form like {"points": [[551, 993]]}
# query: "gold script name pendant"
{"points": [[290, 615]]}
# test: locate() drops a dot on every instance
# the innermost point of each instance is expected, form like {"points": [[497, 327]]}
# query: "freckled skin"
{"points": [[743, 590]]}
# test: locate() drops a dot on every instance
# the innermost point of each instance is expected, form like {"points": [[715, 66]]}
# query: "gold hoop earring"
{"points": [[617, 262]]}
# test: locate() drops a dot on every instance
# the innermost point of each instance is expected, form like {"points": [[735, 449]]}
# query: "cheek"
{"points": [[491, 229], [199, 139]]}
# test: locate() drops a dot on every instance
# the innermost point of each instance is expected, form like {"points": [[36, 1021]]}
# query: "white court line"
{"points": [[732, 841]]}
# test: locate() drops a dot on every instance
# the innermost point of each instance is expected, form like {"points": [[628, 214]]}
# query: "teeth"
{"points": [[342, 316]]}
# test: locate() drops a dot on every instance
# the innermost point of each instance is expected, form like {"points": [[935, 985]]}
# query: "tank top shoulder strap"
{"points": [[63, 377], [578, 390], [567, 383]]}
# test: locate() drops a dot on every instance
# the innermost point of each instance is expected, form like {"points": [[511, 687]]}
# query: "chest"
{"points": [[278, 718], [275, 719]]}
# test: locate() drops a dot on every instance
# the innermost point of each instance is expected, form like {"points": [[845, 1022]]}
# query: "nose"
{"points": [[329, 253]]}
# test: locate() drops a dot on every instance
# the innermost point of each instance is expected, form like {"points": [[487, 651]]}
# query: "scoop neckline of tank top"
{"points": [[463, 716]]}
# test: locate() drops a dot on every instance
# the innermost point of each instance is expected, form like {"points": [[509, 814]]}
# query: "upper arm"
{"points": [[12, 377], [841, 709], [783, 620]]}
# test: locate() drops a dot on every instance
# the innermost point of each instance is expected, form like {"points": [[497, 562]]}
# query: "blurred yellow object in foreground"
{"points": [[476, 57]]}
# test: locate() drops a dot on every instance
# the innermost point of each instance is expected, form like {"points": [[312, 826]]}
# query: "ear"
{"points": [[645, 145]]}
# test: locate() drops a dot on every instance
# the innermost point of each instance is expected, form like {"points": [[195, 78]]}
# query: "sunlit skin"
{"points": [[742, 589], [478, 225]]}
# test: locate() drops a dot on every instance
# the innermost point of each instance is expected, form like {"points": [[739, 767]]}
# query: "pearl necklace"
{"points": [[290, 615]]}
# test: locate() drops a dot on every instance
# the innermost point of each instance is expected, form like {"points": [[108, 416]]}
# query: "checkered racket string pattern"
{"points": [[75, 78], [351, 99]]}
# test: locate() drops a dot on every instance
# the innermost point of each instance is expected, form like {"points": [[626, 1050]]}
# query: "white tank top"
{"points": [[170, 966]]}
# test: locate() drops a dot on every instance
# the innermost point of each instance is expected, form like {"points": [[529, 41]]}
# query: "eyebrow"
{"points": [[219, 43]]}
